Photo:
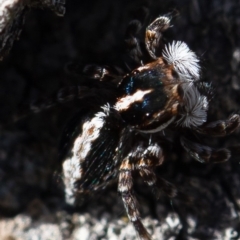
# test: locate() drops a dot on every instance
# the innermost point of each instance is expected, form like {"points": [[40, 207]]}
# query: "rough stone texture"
{"points": [[12, 15], [31, 201]]}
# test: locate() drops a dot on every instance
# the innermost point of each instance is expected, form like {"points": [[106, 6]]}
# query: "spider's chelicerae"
{"points": [[112, 139]]}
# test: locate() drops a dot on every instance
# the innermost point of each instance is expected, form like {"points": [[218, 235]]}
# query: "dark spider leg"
{"points": [[102, 73], [94, 71], [64, 95], [220, 128], [125, 185], [154, 33], [133, 45], [153, 156], [156, 183], [205, 154], [132, 42], [159, 185], [150, 158], [144, 161]]}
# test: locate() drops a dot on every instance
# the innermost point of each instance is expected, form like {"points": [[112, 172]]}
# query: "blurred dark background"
{"points": [[92, 31]]}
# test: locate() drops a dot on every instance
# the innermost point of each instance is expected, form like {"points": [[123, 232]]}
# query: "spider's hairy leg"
{"points": [[160, 185], [94, 71], [152, 157], [221, 127], [64, 95], [145, 161], [132, 42], [131, 39], [102, 73], [125, 185], [156, 183], [205, 154], [154, 33]]}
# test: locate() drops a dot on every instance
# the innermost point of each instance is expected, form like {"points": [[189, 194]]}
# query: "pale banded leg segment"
{"points": [[125, 185], [151, 157], [154, 34]]}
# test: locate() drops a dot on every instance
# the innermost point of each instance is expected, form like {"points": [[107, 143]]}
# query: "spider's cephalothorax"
{"points": [[122, 135]]}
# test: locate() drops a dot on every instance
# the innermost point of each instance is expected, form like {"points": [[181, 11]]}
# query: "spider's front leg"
{"points": [[154, 33], [205, 154], [220, 128]]}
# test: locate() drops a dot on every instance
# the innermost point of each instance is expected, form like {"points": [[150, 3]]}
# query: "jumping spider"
{"points": [[109, 140]]}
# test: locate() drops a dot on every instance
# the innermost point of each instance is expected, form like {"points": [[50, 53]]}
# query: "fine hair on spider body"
{"points": [[112, 139]]}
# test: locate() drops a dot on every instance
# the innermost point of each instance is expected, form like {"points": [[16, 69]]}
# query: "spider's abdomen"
{"points": [[92, 157]]}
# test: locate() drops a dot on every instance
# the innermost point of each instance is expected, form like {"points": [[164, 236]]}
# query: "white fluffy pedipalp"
{"points": [[185, 61], [195, 107]]}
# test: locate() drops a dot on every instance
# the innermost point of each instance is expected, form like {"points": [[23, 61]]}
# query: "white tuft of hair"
{"points": [[185, 61], [195, 107]]}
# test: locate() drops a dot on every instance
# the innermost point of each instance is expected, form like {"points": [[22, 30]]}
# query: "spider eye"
{"points": [[180, 91], [175, 74]]}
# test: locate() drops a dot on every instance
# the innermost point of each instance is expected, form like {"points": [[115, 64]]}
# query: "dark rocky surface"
{"points": [[31, 201]]}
